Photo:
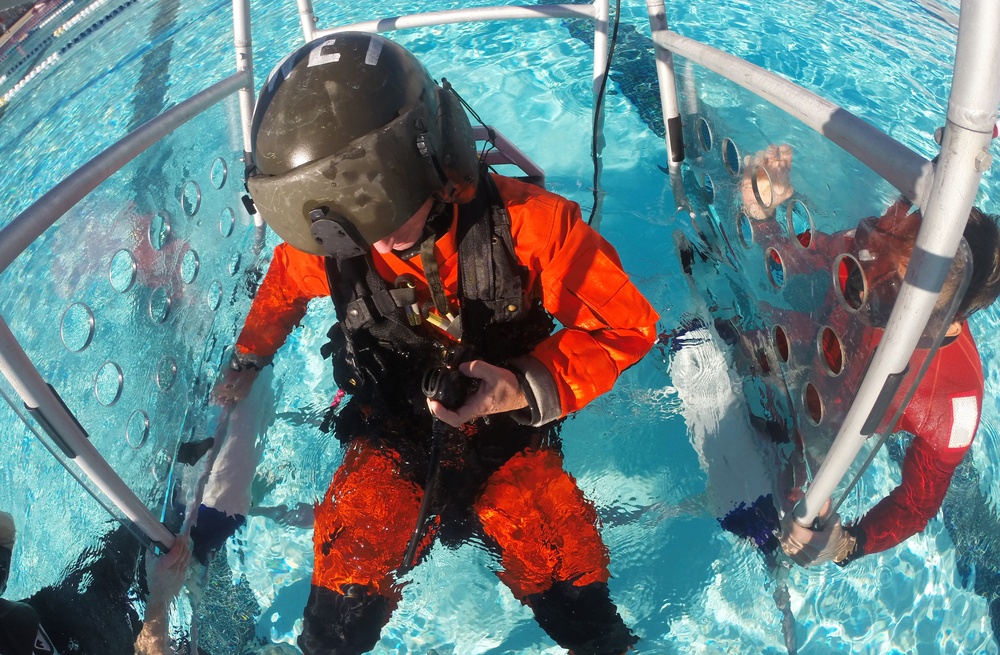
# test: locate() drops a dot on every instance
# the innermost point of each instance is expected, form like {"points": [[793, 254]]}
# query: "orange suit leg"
{"points": [[545, 528], [364, 523]]}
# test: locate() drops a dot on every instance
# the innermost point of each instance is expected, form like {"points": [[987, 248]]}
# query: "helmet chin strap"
{"points": [[437, 224]]}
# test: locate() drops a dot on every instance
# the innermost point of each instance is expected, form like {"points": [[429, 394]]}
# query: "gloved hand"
{"points": [[236, 379], [499, 391], [806, 547]]}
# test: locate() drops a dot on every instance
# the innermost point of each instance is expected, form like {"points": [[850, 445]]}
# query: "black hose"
{"points": [[599, 108], [437, 436]]}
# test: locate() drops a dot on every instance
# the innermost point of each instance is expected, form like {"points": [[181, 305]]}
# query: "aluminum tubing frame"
{"points": [[307, 19], [36, 394], [599, 12], [906, 170], [29, 225], [471, 15], [972, 113], [667, 82]]}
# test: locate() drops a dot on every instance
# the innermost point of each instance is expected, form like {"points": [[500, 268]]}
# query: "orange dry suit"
{"points": [[505, 263]]}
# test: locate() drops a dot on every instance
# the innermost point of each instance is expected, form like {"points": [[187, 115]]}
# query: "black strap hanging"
{"points": [[433, 274], [490, 287]]}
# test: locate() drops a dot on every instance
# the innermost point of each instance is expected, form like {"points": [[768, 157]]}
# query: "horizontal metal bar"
{"points": [[507, 153], [904, 169], [471, 15], [33, 221], [37, 395]]}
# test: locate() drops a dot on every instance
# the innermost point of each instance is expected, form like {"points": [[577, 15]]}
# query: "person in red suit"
{"points": [[942, 415]]}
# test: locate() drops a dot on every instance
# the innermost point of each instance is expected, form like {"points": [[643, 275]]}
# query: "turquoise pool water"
{"points": [[645, 453]]}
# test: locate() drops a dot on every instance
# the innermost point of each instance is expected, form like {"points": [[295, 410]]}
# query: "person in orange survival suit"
{"points": [[434, 266], [943, 414]]}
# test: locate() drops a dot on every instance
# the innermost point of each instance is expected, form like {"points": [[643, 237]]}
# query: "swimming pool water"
{"points": [[681, 582]]}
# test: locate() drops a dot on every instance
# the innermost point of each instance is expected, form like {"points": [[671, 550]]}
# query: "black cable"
{"points": [[600, 105], [437, 436], [489, 144]]}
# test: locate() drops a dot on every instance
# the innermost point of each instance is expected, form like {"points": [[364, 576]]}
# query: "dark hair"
{"points": [[983, 237]]}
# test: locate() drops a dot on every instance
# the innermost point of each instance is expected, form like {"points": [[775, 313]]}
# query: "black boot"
{"points": [[582, 620], [343, 624]]}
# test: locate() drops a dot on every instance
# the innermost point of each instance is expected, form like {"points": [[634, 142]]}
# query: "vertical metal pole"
{"points": [[40, 400], [243, 39], [307, 19], [668, 87], [602, 13], [972, 112]]}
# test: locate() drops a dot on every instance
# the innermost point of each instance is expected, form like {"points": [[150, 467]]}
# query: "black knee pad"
{"points": [[582, 620], [343, 624]]}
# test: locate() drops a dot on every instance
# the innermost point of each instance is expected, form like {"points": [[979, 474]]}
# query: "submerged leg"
{"points": [[361, 533], [552, 555], [583, 620]]}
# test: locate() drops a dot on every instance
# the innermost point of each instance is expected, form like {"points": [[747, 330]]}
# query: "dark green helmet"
{"points": [[350, 136]]}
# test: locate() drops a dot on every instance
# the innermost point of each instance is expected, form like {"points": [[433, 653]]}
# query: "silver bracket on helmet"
{"points": [[336, 235]]}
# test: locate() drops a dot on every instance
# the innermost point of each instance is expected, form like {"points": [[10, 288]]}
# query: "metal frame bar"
{"points": [[471, 15], [667, 83], [906, 170], [39, 397], [507, 153], [307, 19], [597, 11], [30, 224], [972, 113], [243, 39]]}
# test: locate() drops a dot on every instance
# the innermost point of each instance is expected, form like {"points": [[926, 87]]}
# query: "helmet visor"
{"points": [[376, 183]]}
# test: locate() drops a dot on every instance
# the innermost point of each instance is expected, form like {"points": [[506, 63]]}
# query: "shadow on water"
{"points": [[91, 609]]}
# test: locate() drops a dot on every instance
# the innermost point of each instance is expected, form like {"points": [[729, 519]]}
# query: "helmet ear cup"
{"points": [[458, 157]]}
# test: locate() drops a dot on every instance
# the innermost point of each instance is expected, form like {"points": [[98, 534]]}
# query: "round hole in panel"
{"points": [[190, 198], [704, 134], [850, 281], [160, 467], [166, 372], [159, 230], [226, 221], [234, 262], [121, 272], [831, 349], [108, 384], [781, 343], [761, 183], [731, 156], [189, 266], [137, 429], [775, 268], [813, 404], [77, 327], [159, 305], [745, 229], [709, 189], [219, 173], [214, 296], [800, 223]]}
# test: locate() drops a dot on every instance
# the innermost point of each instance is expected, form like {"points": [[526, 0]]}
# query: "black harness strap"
{"points": [[490, 287], [433, 274]]}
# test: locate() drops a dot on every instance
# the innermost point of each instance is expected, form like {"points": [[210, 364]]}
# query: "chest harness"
{"points": [[375, 341]]}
